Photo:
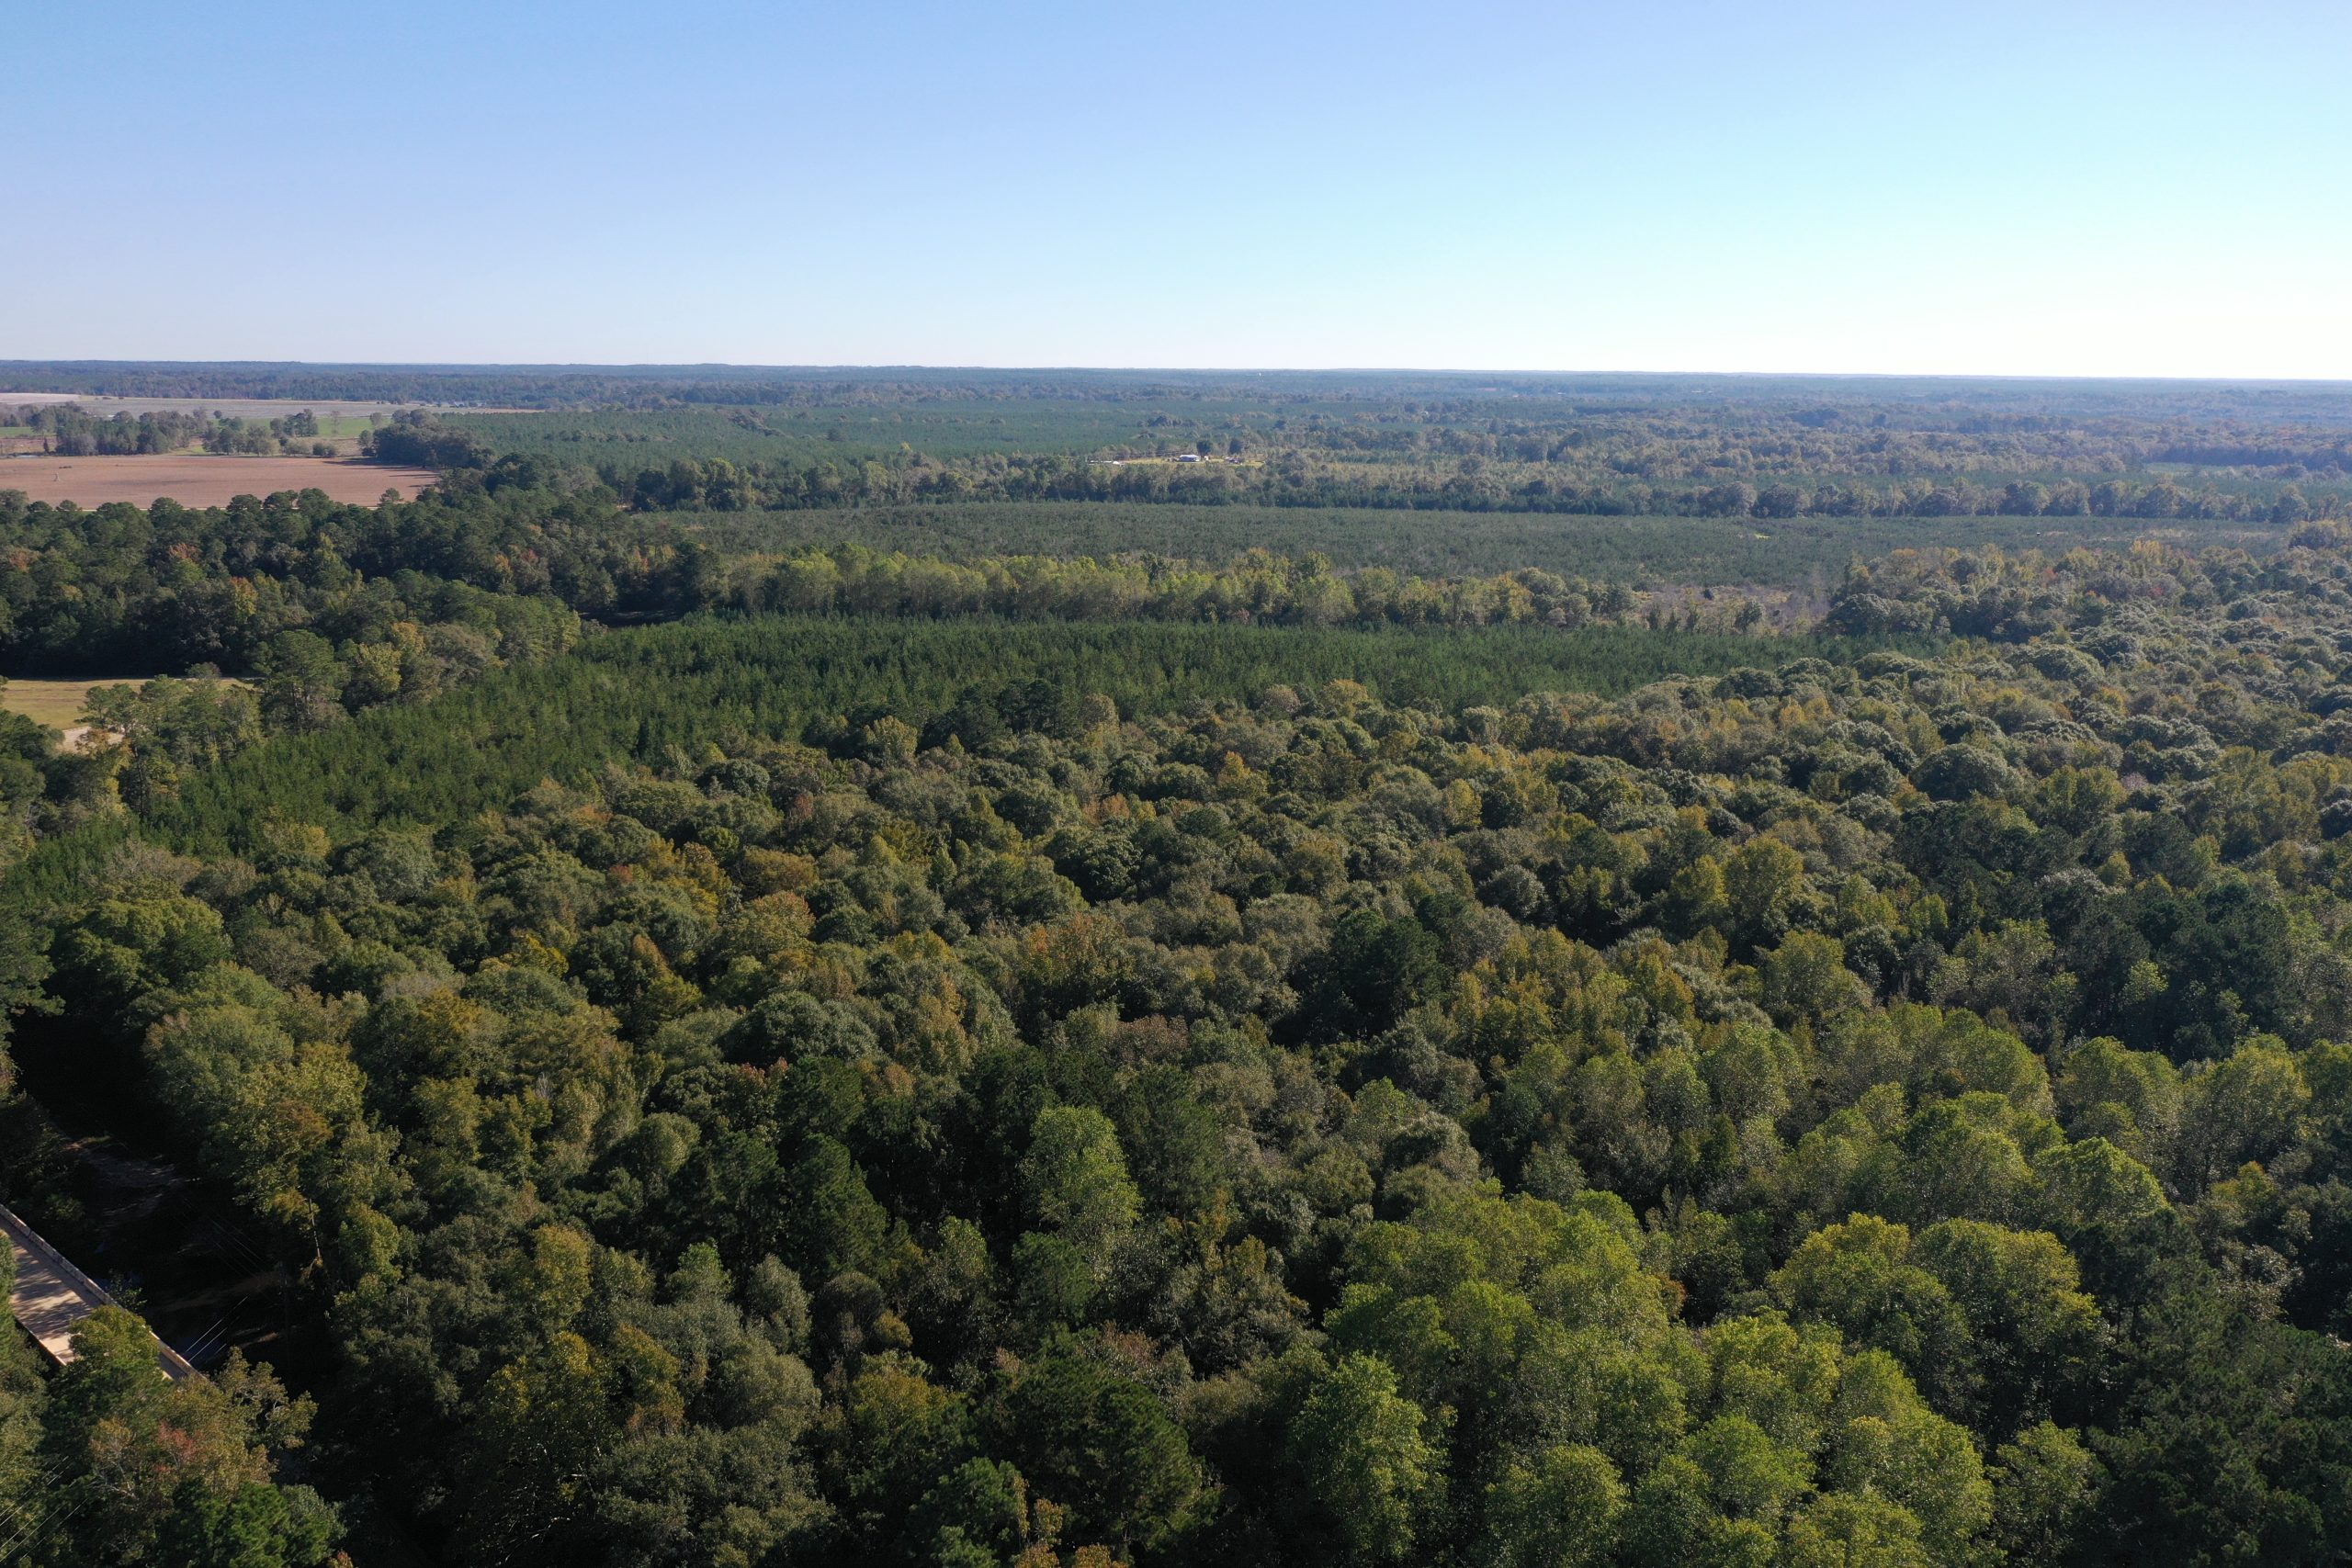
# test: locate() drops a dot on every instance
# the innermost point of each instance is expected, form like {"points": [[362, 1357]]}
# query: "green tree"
{"points": [[1100, 1445], [1563, 1511], [1366, 1459], [1074, 1181]]}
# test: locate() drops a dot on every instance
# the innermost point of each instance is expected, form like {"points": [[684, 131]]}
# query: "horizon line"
{"points": [[584, 365]]}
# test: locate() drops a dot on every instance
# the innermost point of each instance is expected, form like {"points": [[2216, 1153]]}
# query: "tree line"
{"points": [[1293, 479], [70, 431]]}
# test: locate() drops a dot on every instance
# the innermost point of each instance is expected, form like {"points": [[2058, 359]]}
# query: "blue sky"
{"points": [[2053, 188]]}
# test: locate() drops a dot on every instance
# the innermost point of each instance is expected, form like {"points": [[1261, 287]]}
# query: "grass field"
{"points": [[1717, 551], [58, 703], [200, 481]]}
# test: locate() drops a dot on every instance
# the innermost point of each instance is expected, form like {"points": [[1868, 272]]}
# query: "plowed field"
{"points": [[201, 480]]}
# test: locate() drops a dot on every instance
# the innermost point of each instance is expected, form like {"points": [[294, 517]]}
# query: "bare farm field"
{"points": [[200, 481]]}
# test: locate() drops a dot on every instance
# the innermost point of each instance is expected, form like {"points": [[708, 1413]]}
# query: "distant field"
{"points": [[57, 704], [203, 480], [237, 407], [1623, 549]]}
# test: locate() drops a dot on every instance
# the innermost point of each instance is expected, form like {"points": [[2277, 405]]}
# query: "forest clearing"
{"points": [[58, 704]]}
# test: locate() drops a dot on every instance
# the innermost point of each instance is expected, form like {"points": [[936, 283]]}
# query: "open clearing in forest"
{"points": [[57, 704], [206, 480]]}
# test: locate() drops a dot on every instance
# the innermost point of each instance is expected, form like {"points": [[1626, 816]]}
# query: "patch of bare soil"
{"points": [[200, 481]]}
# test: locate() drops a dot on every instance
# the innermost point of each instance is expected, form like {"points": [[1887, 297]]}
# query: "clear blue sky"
{"points": [[2144, 189]]}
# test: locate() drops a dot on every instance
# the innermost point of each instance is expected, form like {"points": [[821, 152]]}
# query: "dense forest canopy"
{"points": [[936, 1040], [1670, 449]]}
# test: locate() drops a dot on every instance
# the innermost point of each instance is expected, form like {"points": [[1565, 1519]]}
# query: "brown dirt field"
{"points": [[204, 480]]}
